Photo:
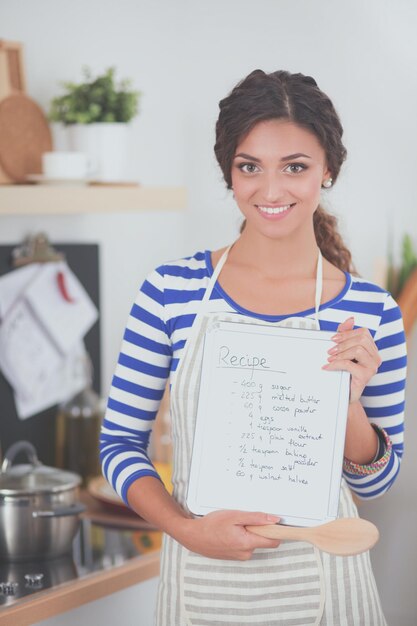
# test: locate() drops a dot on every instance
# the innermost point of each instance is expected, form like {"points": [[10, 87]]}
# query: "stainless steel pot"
{"points": [[39, 512]]}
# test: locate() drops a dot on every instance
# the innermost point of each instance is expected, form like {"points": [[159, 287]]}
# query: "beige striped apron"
{"points": [[295, 584]]}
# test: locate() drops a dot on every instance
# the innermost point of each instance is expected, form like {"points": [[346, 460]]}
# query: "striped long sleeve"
{"points": [[383, 401], [137, 388]]}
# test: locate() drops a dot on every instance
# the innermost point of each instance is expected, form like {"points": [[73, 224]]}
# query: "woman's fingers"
{"points": [[249, 518], [257, 541], [360, 375], [347, 365], [352, 341], [252, 518], [346, 325], [257, 519], [354, 344], [357, 354]]}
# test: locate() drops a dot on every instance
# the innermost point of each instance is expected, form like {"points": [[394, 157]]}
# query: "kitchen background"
{"points": [[184, 57]]}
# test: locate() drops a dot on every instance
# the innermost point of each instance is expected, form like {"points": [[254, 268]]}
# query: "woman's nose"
{"points": [[274, 187]]}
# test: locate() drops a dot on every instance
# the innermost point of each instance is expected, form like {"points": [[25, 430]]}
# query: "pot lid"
{"points": [[33, 478]]}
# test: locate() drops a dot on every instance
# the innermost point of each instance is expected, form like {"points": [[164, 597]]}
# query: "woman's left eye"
{"points": [[295, 168]]}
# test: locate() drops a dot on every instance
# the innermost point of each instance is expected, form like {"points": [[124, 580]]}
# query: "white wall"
{"points": [[185, 56]]}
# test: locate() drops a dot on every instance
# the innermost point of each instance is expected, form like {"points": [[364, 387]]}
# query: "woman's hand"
{"points": [[356, 353], [222, 534]]}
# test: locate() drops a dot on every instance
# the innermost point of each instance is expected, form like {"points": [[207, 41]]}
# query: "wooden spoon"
{"points": [[344, 536]]}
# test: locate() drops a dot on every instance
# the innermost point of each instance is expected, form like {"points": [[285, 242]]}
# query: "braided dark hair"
{"points": [[298, 99]]}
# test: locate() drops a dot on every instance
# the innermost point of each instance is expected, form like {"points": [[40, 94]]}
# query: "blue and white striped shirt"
{"points": [[157, 329]]}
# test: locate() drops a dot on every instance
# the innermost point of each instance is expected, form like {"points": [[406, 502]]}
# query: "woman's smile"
{"points": [[269, 211]]}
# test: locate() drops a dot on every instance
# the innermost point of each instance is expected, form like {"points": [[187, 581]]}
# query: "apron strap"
{"points": [[319, 287], [215, 275], [319, 281], [203, 304]]}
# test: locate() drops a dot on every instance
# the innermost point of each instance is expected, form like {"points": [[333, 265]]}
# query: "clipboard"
{"points": [[270, 425]]}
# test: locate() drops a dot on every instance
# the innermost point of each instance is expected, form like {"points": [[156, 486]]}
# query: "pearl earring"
{"points": [[327, 183]]}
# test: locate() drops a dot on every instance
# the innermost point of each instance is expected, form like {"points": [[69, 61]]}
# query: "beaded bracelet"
{"points": [[371, 468], [381, 444]]}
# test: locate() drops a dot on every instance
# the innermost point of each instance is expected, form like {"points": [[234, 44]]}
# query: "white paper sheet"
{"points": [[61, 384], [270, 425], [27, 354], [14, 284], [66, 322]]}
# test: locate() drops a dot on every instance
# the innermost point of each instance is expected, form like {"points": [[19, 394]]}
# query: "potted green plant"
{"points": [[96, 113], [397, 277], [402, 281]]}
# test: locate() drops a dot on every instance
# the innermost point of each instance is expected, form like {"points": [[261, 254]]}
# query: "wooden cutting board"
{"points": [[115, 517], [24, 136], [12, 75]]}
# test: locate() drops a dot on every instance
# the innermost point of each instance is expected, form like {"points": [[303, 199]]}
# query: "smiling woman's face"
{"points": [[277, 174]]}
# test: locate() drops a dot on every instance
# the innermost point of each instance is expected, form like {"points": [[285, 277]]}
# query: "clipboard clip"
{"points": [[37, 249]]}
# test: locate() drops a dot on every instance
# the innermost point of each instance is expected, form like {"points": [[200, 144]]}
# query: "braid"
{"points": [[330, 242]]}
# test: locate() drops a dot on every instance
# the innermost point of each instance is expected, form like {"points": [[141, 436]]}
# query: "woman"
{"points": [[279, 144]]}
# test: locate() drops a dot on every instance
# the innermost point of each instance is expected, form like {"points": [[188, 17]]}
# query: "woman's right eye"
{"points": [[248, 168]]}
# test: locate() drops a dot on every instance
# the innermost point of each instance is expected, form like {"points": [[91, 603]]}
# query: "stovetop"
{"points": [[95, 548]]}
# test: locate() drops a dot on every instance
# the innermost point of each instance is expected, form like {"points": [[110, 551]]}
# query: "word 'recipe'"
{"points": [[226, 359]]}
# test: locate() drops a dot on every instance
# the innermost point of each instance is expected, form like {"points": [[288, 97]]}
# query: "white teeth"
{"points": [[274, 211]]}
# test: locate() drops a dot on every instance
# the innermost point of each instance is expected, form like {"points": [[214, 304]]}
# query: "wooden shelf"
{"points": [[65, 200]]}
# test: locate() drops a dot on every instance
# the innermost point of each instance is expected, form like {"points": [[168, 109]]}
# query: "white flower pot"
{"points": [[107, 146]]}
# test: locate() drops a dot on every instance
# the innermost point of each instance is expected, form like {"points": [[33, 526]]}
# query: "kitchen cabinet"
{"points": [[68, 199]]}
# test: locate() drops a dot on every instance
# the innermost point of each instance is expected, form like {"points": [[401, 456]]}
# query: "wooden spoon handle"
{"points": [[279, 531], [344, 536]]}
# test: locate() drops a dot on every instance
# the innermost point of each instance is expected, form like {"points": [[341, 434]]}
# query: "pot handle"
{"points": [[15, 449], [65, 511]]}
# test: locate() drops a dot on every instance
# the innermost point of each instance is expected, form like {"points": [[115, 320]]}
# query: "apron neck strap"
{"points": [[319, 280], [319, 286], [215, 274]]}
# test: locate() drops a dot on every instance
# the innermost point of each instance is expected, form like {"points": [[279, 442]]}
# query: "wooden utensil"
{"points": [[24, 136], [103, 514], [12, 77], [12, 80], [344, 537]]}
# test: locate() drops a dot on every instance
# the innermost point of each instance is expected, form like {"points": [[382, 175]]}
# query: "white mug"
{"points": [[67, 165]]}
